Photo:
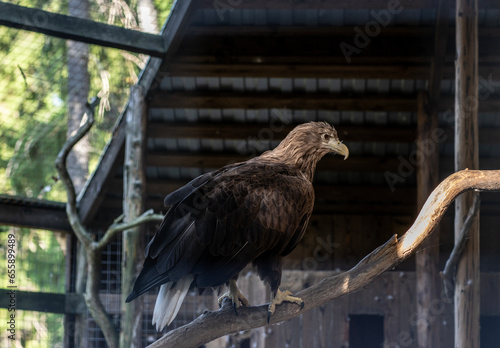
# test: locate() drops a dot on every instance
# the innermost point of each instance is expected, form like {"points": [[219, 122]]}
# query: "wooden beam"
{"points": [[269, 49], [340, 193], [275, 130], [79, 29], [33, 214], [217, 160], [396, 70], [69, 303], [180, 67], [326, 48], [380, 203], [95, 189], [224, 30], [299, 101], [427, 258], [467, 281]]}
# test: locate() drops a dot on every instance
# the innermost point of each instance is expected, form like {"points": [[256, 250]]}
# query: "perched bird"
{"points": [[249, 212]]}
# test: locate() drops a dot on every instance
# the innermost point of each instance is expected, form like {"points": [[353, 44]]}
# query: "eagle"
{"points": [[254, 212]]}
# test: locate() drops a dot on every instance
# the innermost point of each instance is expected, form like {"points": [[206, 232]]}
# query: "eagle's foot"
{"points": [[282, 296], [235, 296]]}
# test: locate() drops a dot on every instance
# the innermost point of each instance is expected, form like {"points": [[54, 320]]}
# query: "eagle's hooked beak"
{"points": [[339, 148]]}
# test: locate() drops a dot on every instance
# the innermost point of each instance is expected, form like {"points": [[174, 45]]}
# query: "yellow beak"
{"points": [[339, 148]]}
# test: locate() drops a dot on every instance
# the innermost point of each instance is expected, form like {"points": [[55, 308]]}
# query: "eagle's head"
{"points": [[306, 144], [320, 136]]}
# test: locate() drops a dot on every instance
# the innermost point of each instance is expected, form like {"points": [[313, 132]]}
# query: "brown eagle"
{"points": [[254, 211]]}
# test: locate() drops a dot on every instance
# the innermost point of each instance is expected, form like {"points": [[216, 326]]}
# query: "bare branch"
{"points": [[60, 163], [211, 325], [93, 249], [117, 226], [450, 268]]}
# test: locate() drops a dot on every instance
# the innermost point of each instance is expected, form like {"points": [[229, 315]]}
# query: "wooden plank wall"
{"points": [[338, 242]]}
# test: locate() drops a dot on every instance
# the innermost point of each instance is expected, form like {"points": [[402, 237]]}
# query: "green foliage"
{"points": [[33, 94], [163, 9], [40, 266], [33, 118]]}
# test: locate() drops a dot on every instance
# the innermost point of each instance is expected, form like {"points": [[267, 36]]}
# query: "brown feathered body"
{"points": [[250, 212]]}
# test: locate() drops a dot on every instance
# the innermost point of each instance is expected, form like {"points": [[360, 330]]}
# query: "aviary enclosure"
{"points": [[412, 88]]}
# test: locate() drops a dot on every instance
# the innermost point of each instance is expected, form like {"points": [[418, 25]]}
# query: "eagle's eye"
{"points": [[326, 137]]}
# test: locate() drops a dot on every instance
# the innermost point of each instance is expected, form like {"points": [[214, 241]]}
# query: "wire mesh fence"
{"points": [[44, 79], [45, 83]]}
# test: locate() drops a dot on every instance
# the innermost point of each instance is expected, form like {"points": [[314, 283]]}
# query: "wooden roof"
{"points": [[232, 72]]}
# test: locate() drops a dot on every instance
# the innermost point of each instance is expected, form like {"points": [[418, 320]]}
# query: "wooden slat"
{"points": [[68, 27], [95, 189], [302, 101], [301, 70], [214, 160], [277, 131], [34, 216], [287, 69], [340, 193], [313, 31], [385, 49], [69, 303]]}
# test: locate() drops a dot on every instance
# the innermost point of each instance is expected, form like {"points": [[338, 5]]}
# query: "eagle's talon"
{"points": [[280, 297], [235, 296]]}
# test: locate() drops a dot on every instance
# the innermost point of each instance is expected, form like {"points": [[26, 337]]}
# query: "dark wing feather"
{"points": [[221, 221]]}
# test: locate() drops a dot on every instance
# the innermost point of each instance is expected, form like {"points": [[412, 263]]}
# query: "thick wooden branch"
{"points": [[211, 325]]}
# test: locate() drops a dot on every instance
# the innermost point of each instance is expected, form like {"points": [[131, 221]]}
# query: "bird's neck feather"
{"points": [[297, 155]]}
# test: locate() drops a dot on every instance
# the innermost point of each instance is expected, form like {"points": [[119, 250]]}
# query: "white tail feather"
{"points": [[169, 301]]}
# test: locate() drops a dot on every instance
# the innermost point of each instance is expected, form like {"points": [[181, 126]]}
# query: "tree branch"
{"points": [[92, 248], [211, 325], [71, 209], [449, 271], [117, 226]]}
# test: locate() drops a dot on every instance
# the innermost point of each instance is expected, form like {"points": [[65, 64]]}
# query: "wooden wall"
{"points": [[338, 242]]}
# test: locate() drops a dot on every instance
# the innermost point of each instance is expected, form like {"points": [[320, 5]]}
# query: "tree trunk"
{"points": [[133, 191], [466, 156], [146, 13], [78, 159]]}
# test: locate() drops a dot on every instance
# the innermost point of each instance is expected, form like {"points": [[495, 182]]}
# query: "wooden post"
{"points": [[133, 190], [427, 258], [466, 156]]}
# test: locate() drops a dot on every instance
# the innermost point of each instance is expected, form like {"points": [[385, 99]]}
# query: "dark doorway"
{"points": [[366, 331]]}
